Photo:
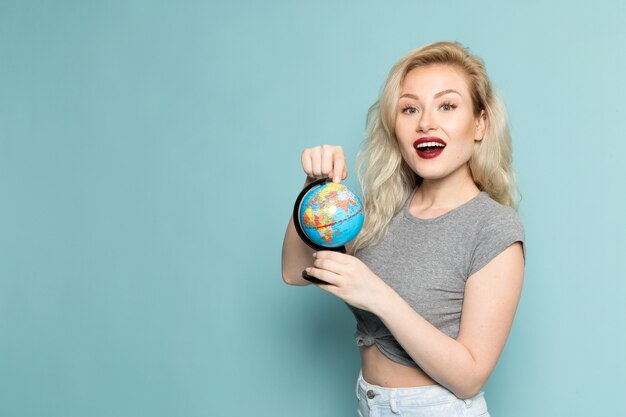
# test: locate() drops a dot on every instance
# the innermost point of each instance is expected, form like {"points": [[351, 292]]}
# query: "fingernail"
{"points": [[307, 270], [337, 179], [315, 254]]}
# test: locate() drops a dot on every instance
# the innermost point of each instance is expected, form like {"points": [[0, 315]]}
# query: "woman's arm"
{"points": [[462, 365], [296, 255]]}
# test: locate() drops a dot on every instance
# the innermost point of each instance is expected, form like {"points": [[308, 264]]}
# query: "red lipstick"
{"points": [[429, 147]]}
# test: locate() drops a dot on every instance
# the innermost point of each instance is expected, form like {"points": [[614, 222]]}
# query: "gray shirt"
{"points": [[428, 261]]}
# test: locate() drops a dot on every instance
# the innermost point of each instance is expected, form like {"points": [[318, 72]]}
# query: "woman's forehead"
{"points": [[432, 79]]}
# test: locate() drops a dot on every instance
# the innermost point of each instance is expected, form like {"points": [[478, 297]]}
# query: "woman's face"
{"points": [[435, 123]]}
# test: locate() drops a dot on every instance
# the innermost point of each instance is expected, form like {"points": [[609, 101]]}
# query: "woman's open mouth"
{"points": [[428, 148]]}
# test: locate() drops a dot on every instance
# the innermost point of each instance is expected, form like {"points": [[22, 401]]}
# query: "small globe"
{"points": [[330, 214]]}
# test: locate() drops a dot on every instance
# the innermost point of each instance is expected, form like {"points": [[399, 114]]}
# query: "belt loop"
{"points": [[392, 402]]}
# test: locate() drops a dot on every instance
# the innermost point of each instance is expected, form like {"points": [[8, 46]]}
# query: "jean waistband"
{"points": [[424, 395]]}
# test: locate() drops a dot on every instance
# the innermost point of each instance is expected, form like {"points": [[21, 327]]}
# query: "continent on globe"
{"points": [[331, 215]]}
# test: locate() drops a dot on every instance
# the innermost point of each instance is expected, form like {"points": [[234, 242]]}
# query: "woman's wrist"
{"points": [[385, 300]]}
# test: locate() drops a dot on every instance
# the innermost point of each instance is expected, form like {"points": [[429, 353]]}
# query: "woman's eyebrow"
{"points": [[439, 94]]}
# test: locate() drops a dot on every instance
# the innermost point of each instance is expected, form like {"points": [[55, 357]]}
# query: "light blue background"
{"points": [[149, 158]]}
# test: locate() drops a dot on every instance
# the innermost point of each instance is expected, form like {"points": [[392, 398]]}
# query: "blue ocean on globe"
{"points": [[331, 215]]}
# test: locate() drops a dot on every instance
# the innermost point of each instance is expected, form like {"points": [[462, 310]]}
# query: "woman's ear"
{"points": [[481, 126]]}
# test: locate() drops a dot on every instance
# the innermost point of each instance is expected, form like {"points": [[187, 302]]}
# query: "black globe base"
{"points": [[311, 279]]}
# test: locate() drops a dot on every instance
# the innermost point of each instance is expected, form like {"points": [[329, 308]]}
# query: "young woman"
{"points": [[435, 275]]}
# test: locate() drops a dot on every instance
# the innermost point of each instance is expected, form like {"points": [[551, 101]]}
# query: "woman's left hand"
{"points": [[349, 279]]}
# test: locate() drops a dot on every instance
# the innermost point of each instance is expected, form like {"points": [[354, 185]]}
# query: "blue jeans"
{"points": [[428, 401]]}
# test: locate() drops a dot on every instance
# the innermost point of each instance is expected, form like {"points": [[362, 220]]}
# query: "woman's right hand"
{"points": [[325, 161]]}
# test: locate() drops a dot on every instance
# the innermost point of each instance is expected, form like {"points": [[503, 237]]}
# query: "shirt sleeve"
{"points": [[495, 236]]}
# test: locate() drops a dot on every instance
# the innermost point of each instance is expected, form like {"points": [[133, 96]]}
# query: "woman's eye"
{"points": [[447, 106], [409, 110]]}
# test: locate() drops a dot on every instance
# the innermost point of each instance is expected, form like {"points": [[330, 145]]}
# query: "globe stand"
{"points": [[303, 236]]}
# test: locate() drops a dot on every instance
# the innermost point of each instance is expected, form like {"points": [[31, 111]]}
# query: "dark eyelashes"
{"points": [[447, 105]]}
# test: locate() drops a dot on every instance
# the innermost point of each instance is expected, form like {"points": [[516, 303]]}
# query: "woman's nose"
{"points": [[426, 122]]}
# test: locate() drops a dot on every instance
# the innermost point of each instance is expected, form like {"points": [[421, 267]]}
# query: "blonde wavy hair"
{"points": [[385, 178]]}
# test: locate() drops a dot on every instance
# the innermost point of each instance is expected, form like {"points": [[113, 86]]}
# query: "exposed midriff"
{"points": [[378, 369]]}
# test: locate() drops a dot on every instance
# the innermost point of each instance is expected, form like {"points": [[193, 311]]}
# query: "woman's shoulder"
{"points": [[492, 215], [490, 207]]}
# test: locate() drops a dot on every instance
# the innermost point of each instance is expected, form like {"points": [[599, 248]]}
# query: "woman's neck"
{"points": [[436, 197]]}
